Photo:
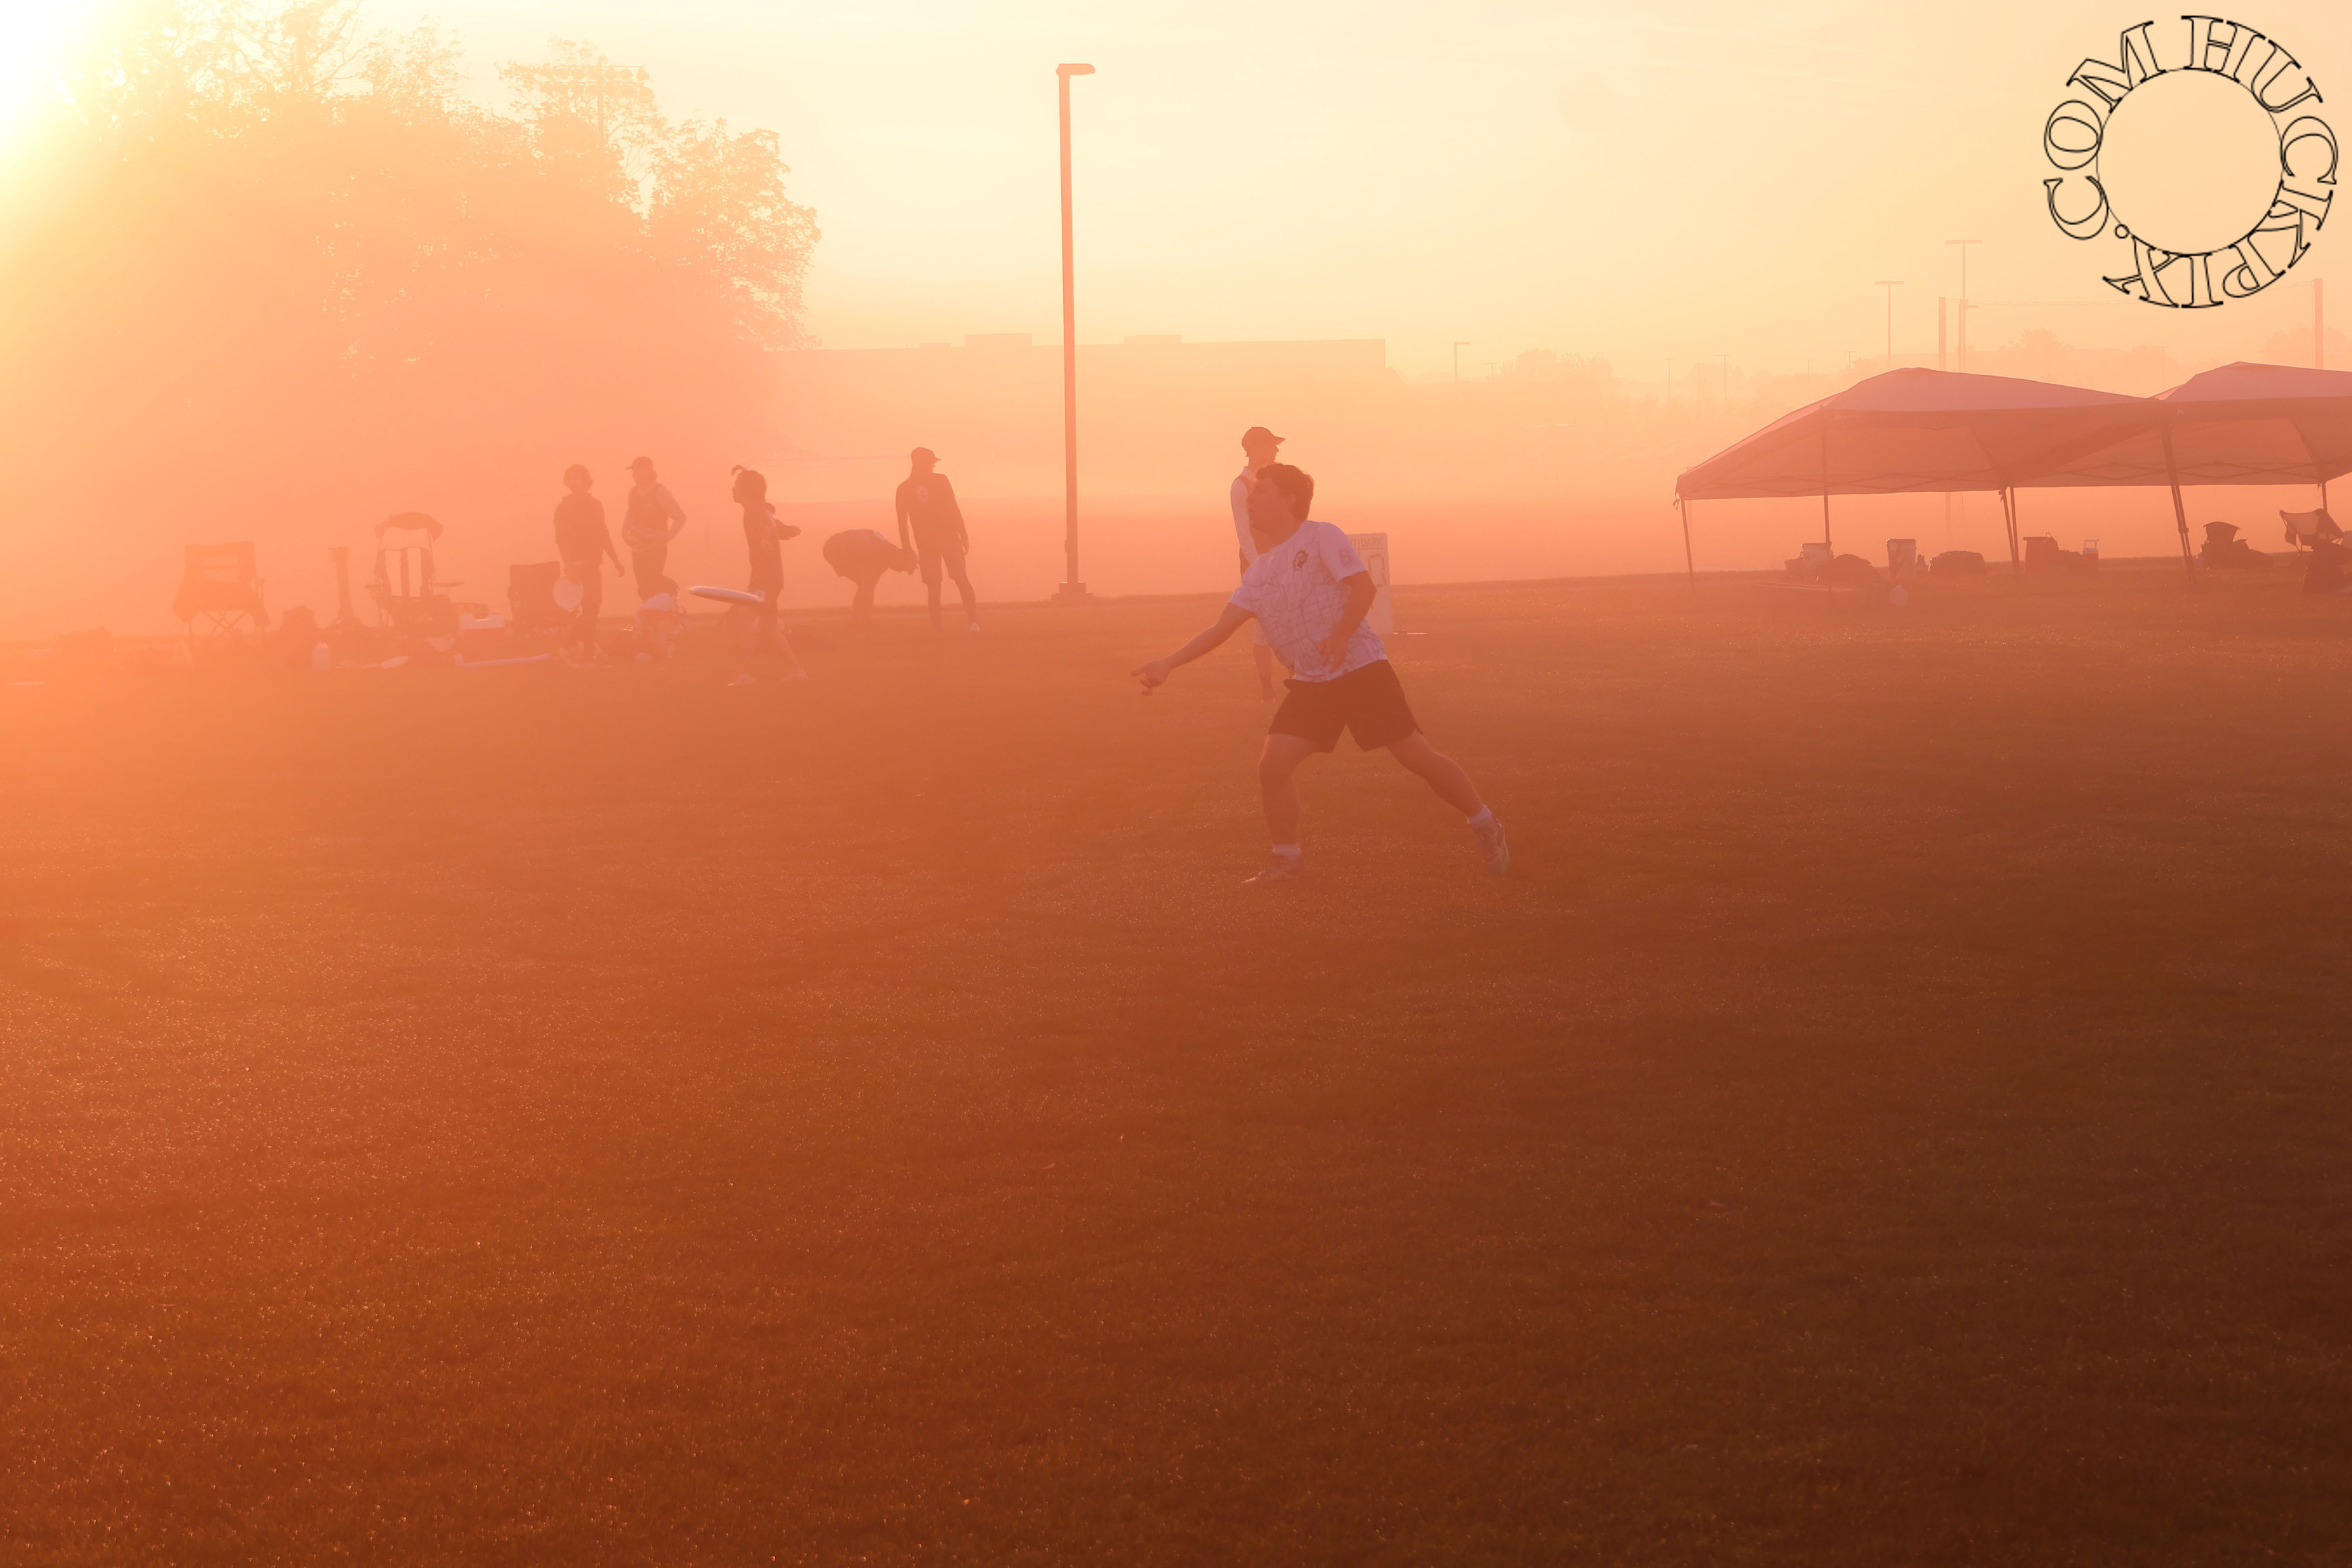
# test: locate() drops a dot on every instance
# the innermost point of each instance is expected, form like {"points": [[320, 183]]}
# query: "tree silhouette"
{"points": [[291, 276]]}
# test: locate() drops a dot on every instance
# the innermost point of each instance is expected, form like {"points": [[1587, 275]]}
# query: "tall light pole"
{"points": [[1890, 285], [1072, 591], [1962, 314]]}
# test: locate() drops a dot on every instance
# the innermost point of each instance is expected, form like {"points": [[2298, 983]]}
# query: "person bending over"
{"points": [[926, 506], [861, 555], [1310, 591]]}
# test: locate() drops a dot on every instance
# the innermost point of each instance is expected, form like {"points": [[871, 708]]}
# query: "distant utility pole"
{"points": [[1072, 590], [1723, 366], [1941, 301], [2319, 323], [1457, 360], [1963, 311], [1890, 285]]}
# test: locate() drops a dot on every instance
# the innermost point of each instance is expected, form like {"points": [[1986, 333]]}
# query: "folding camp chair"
{"points": [[218, 587], [407, 594], [531, 598], [2304, 529]]}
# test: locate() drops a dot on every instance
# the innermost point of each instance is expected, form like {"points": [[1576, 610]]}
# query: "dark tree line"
{"points": [[274, 277]]}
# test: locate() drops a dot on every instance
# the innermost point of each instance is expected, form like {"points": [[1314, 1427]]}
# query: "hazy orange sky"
{"points": [[1629, 181]]}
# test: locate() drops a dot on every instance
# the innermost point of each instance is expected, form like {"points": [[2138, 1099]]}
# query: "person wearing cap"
{"points": [[653, 518], [927, 508], [1259, 446], [581, 542]]}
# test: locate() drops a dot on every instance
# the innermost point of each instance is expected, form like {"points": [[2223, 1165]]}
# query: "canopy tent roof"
{"points": [[2238, 424], [1910, 430]]}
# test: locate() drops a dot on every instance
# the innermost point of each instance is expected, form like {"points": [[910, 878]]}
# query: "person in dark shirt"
{"points": [[926, 506], [861, 555], [763, 533], [582, 544]]}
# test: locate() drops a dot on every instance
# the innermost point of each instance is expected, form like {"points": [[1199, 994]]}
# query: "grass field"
{"points": [[1894, 1112]]}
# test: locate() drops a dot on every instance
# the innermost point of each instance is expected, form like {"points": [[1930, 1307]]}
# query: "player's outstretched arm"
{"points": [[1229, 621]]}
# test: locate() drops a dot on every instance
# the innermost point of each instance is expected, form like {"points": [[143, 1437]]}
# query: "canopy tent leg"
{"points": [[1825, 492], [2180, 512], [1690, 567], [2009, 520]]}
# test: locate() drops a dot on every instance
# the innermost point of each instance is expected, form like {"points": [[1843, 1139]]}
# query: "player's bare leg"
{"points": [[1278, 792], [1442, 775], [1265, 686], [970, 605]]}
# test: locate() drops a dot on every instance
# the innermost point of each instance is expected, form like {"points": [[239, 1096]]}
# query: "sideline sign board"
{"points": [[1375, 549]]}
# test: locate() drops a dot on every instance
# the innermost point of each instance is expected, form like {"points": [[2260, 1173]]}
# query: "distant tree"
{"points": [[286, 273]]}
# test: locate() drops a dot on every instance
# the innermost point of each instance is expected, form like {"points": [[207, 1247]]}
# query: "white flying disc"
{"points": [[728, 595], [567, 594]]}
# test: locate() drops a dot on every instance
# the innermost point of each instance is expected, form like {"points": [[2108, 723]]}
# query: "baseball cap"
{"points": [[641, 463], [922, 452], [1257, 433]]}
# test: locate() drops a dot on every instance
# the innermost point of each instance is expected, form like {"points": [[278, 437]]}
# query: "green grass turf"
{"points": [[1893, 1113]]}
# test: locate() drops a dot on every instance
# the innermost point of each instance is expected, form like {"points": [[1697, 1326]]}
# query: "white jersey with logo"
{"points": [[1296, 590]]}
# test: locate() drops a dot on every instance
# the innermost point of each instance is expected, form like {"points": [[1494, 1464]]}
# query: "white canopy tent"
{"points": [[1910, 431]]}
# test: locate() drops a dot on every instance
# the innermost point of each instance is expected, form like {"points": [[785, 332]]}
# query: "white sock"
{"points": [[1485, 815], [1290, 849]]}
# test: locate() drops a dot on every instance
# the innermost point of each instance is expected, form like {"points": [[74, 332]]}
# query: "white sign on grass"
{"points": [[1375, 549]]}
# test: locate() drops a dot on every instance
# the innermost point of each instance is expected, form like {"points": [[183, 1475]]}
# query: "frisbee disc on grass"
{"points": [[728, 595], [567, 594]]}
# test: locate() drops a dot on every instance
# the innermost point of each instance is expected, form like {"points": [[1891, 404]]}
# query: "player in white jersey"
{"points": [[1310, 592]]}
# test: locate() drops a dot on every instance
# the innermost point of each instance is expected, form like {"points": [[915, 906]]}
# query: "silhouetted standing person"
{"points": [[861, 555], [653, 518], [926, 507], [581, 542], [763, 533], [1260, 446]]}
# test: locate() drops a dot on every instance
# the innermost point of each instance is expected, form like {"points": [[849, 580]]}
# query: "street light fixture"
{"points": [[1073, 592], [1962, 315]]}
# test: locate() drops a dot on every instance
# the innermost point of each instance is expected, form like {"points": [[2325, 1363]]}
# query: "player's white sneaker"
{"points": [[973, 627], [1493, 847], [796, 673], [1280, 869], [745, 679]]}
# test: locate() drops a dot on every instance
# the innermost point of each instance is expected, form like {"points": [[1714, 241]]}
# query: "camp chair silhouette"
{"points": [[531, 598], [2304, 529], [218, 587], [407, 593]]}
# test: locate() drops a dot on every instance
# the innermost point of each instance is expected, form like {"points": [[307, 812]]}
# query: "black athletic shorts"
{"points": [[1368, 703], [931, 554]]}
